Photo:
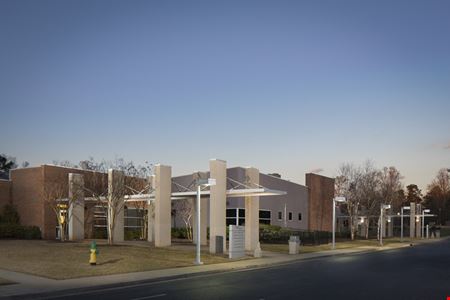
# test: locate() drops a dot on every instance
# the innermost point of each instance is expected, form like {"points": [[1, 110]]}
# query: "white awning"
{"points": [[233, 193]]}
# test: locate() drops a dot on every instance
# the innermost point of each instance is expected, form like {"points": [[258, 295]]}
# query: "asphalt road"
{"points": [[418, 272]]}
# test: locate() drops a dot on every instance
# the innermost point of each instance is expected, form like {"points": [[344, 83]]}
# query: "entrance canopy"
{"points": [[232, 193]]}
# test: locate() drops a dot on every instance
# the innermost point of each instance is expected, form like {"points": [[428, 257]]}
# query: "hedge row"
{"points": [[279, 235], [15, 231]]}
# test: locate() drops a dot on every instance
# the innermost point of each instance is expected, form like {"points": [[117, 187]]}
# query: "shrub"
{"points": [[132, 234], [278, 235], [179, 233], [100, 233], [445, 231], [15, 231], [10, 215]]}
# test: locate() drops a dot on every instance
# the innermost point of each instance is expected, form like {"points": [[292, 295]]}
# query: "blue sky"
{"points": [[285, 86]]}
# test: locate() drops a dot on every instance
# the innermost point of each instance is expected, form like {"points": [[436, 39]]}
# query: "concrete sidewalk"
{"points": [[30, 284]]}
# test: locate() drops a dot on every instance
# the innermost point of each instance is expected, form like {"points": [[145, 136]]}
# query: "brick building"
{"points": [[302, 207]]}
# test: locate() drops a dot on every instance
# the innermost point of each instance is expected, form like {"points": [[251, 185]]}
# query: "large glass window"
{"points": [[265, 216], [235, 216]]}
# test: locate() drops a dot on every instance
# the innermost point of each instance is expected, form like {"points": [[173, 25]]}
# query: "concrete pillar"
{"points": [[76, 207], [251, 211], [163, 205], [419, 219], [390, 227], [116, 203], [218, 203], [151, 211], [203, 220], [412, 220]]}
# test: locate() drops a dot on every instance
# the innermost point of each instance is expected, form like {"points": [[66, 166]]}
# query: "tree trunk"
{"points": [[366, 229], [379, 229], [62, 232], [110, 225]]}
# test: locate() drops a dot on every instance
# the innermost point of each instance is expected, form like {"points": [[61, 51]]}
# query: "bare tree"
{"points": [[185, 209], [55, 195], [135, 185], [346, 185], [369, 192], [366, 188], [391, 187], [110, 195], [115, 201], [438, 195], [96, 186]]}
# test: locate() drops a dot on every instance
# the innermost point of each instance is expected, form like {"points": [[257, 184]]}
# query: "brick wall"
{"points": [[320, 199], [5, 193], [27, 189], [25, 193], [60, 175]]}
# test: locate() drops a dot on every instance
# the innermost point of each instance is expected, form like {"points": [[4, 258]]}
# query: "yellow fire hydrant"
{"points": [[94, 252]]}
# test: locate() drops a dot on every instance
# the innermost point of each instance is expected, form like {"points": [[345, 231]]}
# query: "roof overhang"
{"points": [[233, 193]]}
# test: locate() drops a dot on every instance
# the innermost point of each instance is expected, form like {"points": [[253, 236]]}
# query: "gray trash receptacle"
{"points": [[294, 244], [219, 244]]}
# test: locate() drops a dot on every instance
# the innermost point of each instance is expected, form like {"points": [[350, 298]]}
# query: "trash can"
{"points": [[294, 244], [219, 244]]}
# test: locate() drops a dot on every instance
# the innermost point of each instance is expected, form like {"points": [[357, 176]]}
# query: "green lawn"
{"points": [[58, 260]]}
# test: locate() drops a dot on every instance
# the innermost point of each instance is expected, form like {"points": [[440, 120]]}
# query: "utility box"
{"points": [[294, 244], [219, 244]]}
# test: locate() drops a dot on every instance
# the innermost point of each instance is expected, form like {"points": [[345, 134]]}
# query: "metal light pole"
{"points": [[335, 200], [423, 220], [401, 221], [383, 207], [201, 183]]}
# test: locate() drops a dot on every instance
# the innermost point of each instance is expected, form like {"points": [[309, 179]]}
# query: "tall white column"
{"points": [[151, 212], [391, 228], [76, 207], [252, 211], [218, 203], [419, 219], [116, 190], [412, 220], [163, 205]]}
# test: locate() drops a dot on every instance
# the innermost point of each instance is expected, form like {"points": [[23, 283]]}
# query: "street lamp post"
{"points": [[201, 183], [382, 209], [401, 221], [335, 200], [423, 220]]}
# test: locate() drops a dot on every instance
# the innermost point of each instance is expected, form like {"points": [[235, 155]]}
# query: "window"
{"points": [[280, 216], [299, 216], [235, 216], [231, 213], [290, 216], [265, 216]]}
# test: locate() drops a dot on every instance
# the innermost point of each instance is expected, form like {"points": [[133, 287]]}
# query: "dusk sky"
{"points": [[285, 86]]}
